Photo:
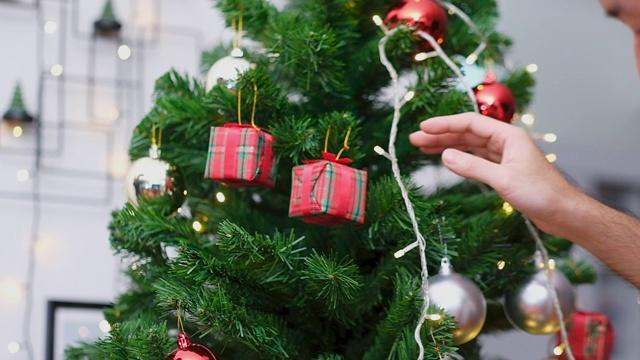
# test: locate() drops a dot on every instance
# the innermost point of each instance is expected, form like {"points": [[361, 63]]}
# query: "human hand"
{"points": [[505, 158]]}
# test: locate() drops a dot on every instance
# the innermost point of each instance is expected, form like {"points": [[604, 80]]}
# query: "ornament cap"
{"points": [[183, 341], [154, 152], [445, 266], [237, 52]]}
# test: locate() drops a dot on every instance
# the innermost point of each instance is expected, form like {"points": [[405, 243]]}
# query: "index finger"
{"points": [[476, 124]]}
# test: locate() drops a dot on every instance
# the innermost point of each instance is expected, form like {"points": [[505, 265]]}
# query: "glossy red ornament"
{"points": [[495, 99], [189, 351], [425, 15], [591, 336]]}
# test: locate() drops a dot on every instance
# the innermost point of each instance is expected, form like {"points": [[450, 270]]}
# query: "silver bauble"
{"points": [[461, 298], [226, 70], [531, 307], [155, 183]]}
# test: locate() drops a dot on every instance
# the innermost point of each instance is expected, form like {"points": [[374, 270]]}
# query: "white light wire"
{"points": [[420, 242], [550, 288]]}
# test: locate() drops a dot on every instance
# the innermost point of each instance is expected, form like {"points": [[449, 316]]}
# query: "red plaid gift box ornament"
{"points": [[327, 191], [241, 155], [591, 337]]}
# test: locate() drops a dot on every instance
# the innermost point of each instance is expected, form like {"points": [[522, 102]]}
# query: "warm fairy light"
{"points": [[220, 197], [451, 11], [377, 20], [11, 291], [508, 209], [378, 150], [83, 331], [501, 264], [434, 317], [551, 157], [409, 95], [50, 27], [119, 164], [527, 119], [558, 350], [480, 87], [22, 175], [17, 131], [549, 137], [552, 264], [124, 52], [531, 68], [197, 226], [421, 56], [57, 70], [13, 347], [471, 59], [104, 326]]}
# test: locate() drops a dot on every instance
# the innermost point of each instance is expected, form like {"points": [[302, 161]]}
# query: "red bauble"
{"points": [[495, 99], [425, 15], [590, 335], [188, 351]]}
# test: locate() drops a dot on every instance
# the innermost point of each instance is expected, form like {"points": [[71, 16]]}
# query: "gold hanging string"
{"points": [[239, 106], [326, 140], [239, 35], [159, 137], [180, 324], [235, 37], [156, 140], [346, 144], [255, 102]]}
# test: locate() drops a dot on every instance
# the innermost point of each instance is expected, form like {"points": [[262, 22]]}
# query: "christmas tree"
{"points": [[17, 111], [250, 281]]}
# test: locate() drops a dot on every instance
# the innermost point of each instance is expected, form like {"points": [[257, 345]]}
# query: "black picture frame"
{"points": [[57, 312]]}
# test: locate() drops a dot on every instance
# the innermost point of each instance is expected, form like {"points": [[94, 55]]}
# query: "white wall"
{"points": [[586, 93]]}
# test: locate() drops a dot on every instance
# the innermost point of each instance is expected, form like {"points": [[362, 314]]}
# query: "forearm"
{"points": [[610, 235]]}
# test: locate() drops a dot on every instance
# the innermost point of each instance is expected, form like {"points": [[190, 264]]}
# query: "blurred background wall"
{"points": [[587, 94]]}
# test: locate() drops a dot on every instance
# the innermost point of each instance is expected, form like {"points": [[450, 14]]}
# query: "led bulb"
{"points": [[531, 68], [50, 27], [17, 131], [57, 70], [124, 52]]}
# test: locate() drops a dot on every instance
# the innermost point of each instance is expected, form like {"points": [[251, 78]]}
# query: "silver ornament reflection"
{"points": [[226, 70], [156, 183], [461, 298], [531, 308]]}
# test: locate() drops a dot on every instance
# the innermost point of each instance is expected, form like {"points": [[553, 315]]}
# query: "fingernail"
{"points": [[450, 156]]}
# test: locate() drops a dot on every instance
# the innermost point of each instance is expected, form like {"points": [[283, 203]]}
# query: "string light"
{"points": [[11, 291], [549, 137], [528, 119], [104, 326], [434, 317], [532, 68], [124, 52], [409, 95], [220, 197], [501, 264], [13, 347], [22, 175], [197, 226], [508, 209], [17, 131], [377, 20], [551, 157], [57, 70], [558, 350], [50, 27]]}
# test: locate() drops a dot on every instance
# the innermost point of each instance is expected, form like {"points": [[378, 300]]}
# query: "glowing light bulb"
{"points": [[421, 56], [17, 131], [558, 350], [197, 226], [501, 264], [104, 326], [13, 347], [471, 59], [552, 264], [508, 209], [434, 317], [409, 95], [22, 175], [220, 197], [549, 137], [377, 20], [124, 52], [531, 68], [527, 119], [50, 27], [11, 291], [57, 70], [551, 157]]}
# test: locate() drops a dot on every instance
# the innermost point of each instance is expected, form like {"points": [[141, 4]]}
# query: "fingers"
{"points": [[473, 167], [472, 123]]}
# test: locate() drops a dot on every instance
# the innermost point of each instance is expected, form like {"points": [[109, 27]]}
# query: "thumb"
{"points": [[471, 166]]}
